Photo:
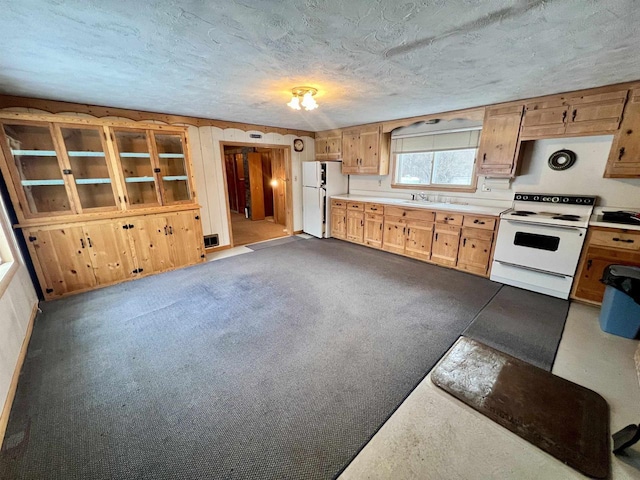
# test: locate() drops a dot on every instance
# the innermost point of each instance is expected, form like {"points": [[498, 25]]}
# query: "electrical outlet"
{"points": [[379, 183], [485, 188]]}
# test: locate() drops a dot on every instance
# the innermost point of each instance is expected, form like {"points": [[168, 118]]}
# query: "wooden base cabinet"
{"points": [[603, 247], [339, 219], [74, 258], [373, 232], [474, 254], [446, 239], [355, 222]]}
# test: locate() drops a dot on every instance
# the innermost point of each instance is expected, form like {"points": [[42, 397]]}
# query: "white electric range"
{"points": [[539, 242]]}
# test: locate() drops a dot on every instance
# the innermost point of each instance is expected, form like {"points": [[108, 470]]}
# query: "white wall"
{"points": [[585, 177], [16, 304], [208, 170]]}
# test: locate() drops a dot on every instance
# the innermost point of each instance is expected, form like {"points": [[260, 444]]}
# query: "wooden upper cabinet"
{"points": [[174, 174], [365, 151], [624, 158], [37, 169], [499, 143], [328, 145], [572, 115]]}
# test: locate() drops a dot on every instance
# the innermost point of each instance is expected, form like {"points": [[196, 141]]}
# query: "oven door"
{"points": [[546, 248]]}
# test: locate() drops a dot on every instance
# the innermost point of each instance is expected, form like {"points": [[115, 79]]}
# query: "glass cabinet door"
{"points": [[137, 167], [89, 167], [173, 169], [38, 168]]}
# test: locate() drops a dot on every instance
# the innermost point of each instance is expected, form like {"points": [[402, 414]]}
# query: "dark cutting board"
{"points": [[562, 418]]}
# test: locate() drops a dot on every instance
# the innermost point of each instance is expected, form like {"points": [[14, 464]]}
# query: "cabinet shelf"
{"points": [[35, 153], [39, 183], [139, 179], [173, 178], [86, 154], [134, 155], [92, 181], [171, 155]]}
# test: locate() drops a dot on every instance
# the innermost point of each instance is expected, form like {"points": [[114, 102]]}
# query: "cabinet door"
{"points": [[394, 234], [369, 152], [174, 172], [339, 222], [594, 114], [350, 152], [475, 250], [497, 153], [62, 260], [373, 230], [321, 148], [334, 146], [446, 239], [544, 119], [185, 238], [138, 168], [110, 251], [91, 168], [355, 226], [36, 168], [624, 157], [592, 266], [150, 243], [419, 240]]}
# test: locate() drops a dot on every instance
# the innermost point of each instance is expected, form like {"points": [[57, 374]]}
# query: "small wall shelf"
{"points": [[134, 155], [173, 178], [139, 179], [171, 155], [35, 153], [39, 183], [86, 154], [92, 181]]}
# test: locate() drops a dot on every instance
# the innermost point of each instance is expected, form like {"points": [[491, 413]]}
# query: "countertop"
{"points": [[596, 221], [450, 207]]}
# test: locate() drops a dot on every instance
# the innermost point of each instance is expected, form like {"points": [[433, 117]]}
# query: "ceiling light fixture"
{"points": [[303, 96]]}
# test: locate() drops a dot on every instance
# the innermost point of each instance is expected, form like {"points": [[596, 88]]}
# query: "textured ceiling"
{"points": [[371, 60]]}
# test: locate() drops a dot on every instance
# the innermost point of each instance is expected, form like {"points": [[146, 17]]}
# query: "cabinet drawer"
{"points": [[374, 208], [449, 218], [339, 203], [628, 241], [424, 215], [477, 233], [359, 206], [374, 216], [487, 223]]}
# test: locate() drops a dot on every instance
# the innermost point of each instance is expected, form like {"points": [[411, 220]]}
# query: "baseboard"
{"points": [[217, 249], [297, 232], [6, 410]]}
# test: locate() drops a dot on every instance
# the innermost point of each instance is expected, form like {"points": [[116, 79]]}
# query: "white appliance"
{"points": [[320, 180], [539, 242]]}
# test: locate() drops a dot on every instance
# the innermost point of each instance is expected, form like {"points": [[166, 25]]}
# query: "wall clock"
{"points": [[298, 145]]}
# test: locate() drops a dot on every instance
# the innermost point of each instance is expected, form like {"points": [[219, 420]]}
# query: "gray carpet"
{"points": [[274, 243], [279, 364], [524, 324]]}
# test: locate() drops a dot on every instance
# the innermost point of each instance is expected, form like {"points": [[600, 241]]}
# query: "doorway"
{"points": [[258, 198]]}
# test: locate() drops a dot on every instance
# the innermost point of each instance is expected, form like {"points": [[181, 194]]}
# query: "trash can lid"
{"points": [[624, 271], [624, 278]]}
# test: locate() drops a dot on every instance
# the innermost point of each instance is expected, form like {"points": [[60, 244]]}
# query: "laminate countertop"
{"points": [[596, 221], [449, 207]]}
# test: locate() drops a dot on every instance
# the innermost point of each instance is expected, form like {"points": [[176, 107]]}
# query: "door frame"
{"points": [[288, 186]]}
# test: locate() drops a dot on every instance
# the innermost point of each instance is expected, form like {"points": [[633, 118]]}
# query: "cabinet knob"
{"points": [[573, 115], [621, 153]]}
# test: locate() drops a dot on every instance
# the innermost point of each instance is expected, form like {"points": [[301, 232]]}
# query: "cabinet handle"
{"points": [[628, 240], [374, 209], [484, 157], [436, 237], [89, 240], [564, 116], [464, 242], [380, 226], [82, 242], [165, 230], [66, 171], [170, 230], [408, 231], [156, 170], [621, 153], [478, 222], [573, 115], [362, 223], [589, 263]]}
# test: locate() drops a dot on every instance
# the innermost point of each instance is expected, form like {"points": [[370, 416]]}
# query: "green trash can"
{"points": [[620, 313]]}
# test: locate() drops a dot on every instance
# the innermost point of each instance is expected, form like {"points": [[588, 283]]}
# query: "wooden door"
{"points": [[232, 182], [185, 238], [355, 226], [446, 239], [279, 190], [339, 222], [475, 250], [624, 157], [150, 243], [594, 114], [394, 234], [497, 153], [241, 185], [62, 260], [596, 260], [373, 230], [110, 251], [267, 187], [419, 239], [256, 186], [370, 152], [350, 151], [545, 119]]}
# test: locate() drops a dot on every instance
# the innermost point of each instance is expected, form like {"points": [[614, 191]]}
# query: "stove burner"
{"points": [[569, 218], [522, 213]]}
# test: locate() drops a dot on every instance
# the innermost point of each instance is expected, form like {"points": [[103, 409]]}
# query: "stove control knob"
{"points": [[555, 199], [525, 197], [536, 198], [587, 201], [565, 200], [518, 197], [545, 199], [578, 200]]}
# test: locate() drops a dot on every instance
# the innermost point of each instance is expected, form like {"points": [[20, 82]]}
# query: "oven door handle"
{"points": [[545, 225], [509, 264]]}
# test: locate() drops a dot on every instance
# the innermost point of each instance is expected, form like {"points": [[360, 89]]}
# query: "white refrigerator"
{"points": [[320, 180]]}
